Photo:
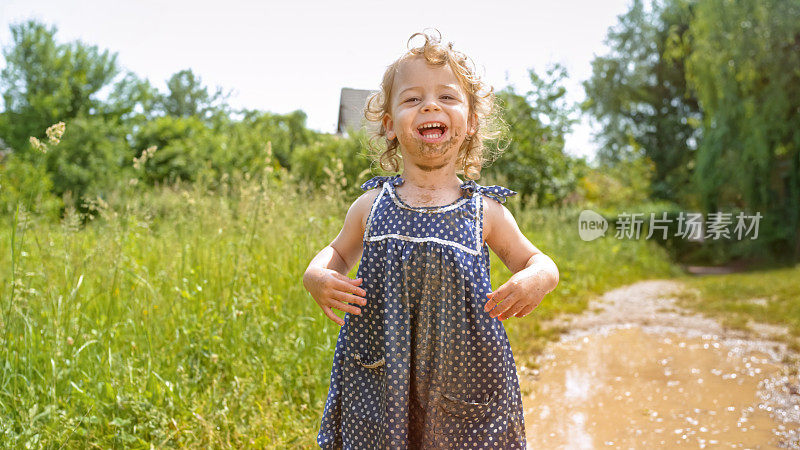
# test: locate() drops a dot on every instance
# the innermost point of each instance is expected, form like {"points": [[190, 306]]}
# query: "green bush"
{"points": [[24, 183], [338, 160], [186, 147], [88, 158]]}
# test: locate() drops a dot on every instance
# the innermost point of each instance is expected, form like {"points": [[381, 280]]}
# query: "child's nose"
{"points": [[431, 106]]}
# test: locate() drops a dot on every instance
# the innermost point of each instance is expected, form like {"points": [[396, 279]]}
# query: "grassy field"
{"points": [[177, 317], [766, 296]]}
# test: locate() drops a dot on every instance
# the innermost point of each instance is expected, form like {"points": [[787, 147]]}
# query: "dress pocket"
{"points": [[463, 422], [369, 365], [364, 406], [471, 412]]}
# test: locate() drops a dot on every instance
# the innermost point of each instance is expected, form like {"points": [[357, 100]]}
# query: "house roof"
{"points": [[351, 109]]}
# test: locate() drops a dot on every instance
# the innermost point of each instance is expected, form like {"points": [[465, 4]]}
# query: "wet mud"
{"points": [[636, 371]]}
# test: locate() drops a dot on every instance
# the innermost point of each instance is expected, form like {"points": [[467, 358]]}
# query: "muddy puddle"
{"points": [[651, 380]]}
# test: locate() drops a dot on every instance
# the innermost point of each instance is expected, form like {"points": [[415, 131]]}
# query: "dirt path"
{"points": [[636, 371]]}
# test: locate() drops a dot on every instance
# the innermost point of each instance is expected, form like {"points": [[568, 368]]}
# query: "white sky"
{"points": [[288, 55]]}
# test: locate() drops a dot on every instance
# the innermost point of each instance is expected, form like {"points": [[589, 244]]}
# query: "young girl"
{"points": [[422, 361]]}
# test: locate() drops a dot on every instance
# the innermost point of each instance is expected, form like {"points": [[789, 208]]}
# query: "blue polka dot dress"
{"points": [[424, 366]]}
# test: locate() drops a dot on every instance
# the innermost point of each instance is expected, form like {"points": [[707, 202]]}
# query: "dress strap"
{"points": [[498, 193], [378, 181]]}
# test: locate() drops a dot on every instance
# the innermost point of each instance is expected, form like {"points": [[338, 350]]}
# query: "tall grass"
{"points": [[177, 317]]}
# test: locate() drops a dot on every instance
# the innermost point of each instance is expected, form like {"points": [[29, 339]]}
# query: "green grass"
{"points": [[729, 298], [178, 318], [179, 321]]}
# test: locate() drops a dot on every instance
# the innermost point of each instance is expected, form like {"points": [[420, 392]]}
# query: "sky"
{"points": [[289, 55]]}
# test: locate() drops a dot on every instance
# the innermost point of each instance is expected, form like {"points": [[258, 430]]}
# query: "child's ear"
{"points": [[473, 123], [388, 125]]}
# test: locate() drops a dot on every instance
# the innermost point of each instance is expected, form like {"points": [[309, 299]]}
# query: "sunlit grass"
{"points": [[177, 317], [766, 296]]}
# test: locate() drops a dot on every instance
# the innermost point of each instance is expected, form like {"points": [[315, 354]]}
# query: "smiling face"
{"points": [[429, 113]]}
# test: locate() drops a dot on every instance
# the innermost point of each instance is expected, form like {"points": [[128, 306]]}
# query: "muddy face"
{"points": [[425, 94], [429, 152]]}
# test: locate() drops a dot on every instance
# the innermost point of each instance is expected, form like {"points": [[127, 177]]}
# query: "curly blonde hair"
{"points": [[473, 154]]}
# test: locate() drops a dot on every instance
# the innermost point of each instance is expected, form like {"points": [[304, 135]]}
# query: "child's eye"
{"points": [[412, 98], [448, 96]]}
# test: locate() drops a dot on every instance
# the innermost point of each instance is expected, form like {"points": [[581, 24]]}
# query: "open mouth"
{"points": [[432, 131]]}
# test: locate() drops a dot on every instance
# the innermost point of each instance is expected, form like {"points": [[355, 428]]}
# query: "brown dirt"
{"points": [[637, 371]]}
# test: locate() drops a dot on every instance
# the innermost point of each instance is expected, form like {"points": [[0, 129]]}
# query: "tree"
{"points": [[341, 159], [45, 82], [187, 97], [88, 159], [638, 94], [285, 131], [132, 100], [186, 149], [744, 69], [538, 122]]}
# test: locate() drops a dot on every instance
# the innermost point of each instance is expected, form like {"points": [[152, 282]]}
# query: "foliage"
{"points": [[708, 90], [334, 160], [617, 186], [190, 148], [187, 97], [23, 183], [89, 158], [534, 161], [45, 82], [187, 149], [247, 136], [639, 96], [743, 68], [132, 101]]}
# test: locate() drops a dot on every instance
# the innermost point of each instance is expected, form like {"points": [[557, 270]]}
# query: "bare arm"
{"points": [[326, 276], [346, 248], [535, 274], [330, 258]]}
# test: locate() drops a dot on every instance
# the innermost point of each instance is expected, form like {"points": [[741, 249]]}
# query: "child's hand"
{"points": [[331, 289], [518, 296]]}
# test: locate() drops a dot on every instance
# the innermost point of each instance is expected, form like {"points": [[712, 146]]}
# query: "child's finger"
{"points": [[526, 310], [346, 287], [489, 303], [350, 298], [348, 279], [506, 304], [332, 316], [501, 293], [344, 307], [517, 307], [495, 298]]}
